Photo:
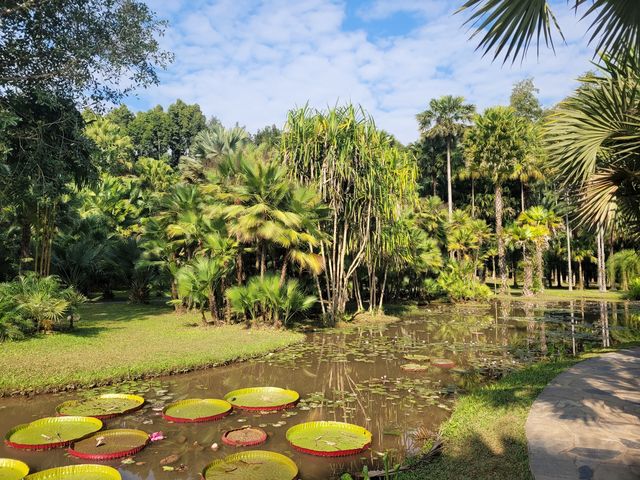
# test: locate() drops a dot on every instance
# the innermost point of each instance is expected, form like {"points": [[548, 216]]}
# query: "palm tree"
{"points": [[216, 143], [446, 118], [473, 172], [523, 237], [497, 142], [547, 223], [529, 169], [509, 26], [582, 255]]}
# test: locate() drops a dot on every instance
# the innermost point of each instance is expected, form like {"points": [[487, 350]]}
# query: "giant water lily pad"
{"points": [[443, 363], [197, 410], [329, 439], [414, 357], [51, 432], [77, 472], [252, 465], [263, 398], [11, 469], [105, 406], [110, 444], [414, 367]]}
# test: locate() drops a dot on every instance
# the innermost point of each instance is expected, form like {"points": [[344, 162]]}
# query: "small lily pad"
{"points": [[417, 358], [414, 367], [197, 410]]}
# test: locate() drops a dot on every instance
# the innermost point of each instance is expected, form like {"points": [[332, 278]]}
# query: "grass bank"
{"points": [[564, 294], [117, 341], [485, 437]]}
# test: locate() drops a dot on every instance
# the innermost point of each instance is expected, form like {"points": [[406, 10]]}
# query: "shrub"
{"points": [[458, 283], [33, 303], [264, 299], [634, 289]]}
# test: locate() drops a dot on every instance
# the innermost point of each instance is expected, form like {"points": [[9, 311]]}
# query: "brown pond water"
{"points": [[351, 376]]}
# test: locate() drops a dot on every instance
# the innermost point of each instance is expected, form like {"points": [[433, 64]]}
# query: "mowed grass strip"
{"points": [[485, 437], [118, 341]]}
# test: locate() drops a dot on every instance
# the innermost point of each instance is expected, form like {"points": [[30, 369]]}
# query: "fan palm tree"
{"points": [[446, 118], [215, 143], [529, 169], [523, 237], [580, 256], [547, 223], [508, 27]]}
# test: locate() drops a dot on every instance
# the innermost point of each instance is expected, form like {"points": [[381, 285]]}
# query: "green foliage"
{"points": [[508, 27], [185, 121], [623, 266], [524, 101], [151, 132], [32, 303], [457, 283], [634, 289], [265, 300], [79, 48]]}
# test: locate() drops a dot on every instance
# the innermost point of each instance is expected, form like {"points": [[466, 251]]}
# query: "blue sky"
{"points": [[250, 61]]}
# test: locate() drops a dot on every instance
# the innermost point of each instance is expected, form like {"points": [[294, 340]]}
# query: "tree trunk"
{"points": [[602, 274], [25, 244], [502, 261], [449, 188], [239, 269], [539, 267], [213, 307], [473, 197], [580, 276], [263, 259], [522, 203], [283, 270], [527, 285], [384, 285], [569, 269]]}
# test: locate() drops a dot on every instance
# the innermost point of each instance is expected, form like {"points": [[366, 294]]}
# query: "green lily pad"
{"points": [[105, 406], [51, 432], [77, 472], [262, 398], [329, 439], [414, 367], [11, 469], [417, 358], [197, 410], [110, 444], [252, 465]]}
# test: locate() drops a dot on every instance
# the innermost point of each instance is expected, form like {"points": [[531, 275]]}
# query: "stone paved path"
{"points": [[585, 425]]}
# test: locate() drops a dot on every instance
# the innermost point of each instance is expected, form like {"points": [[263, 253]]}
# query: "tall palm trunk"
{"points": [[569, 267], [522, 202], [502, 261], [449, 188], [580, 276], [539, 266], [527, 285], [602, 275], [473, 197]]}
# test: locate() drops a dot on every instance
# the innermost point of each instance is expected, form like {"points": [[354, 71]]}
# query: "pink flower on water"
{"points": [[155, 436]]}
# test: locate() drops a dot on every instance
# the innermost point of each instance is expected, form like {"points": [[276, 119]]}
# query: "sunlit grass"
{"points": [[117, 341]]}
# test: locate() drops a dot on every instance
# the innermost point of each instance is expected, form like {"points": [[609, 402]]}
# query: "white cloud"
{"points": [[251, 61]]}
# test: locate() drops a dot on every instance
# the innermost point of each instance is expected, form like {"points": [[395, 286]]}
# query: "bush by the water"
{"points": [[31, 303], [634, 289], [456, 283]]}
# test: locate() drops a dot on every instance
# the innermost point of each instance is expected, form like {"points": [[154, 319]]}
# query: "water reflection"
{"points": [[355, 376]]}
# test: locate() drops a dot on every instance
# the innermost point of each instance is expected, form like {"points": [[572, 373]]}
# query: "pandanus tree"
{"points": [[342, 154], [446, 118], [497, 141]]}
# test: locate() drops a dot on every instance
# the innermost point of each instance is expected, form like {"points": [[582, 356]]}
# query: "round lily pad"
{"points": [[51, 432], [197, 410], [414, 367], [443, 363], [105, 406], [263, 398], [329, 439], [77, 472], [417, 358], [110, 444], [11, 469], [245, 437], [252, 465]]}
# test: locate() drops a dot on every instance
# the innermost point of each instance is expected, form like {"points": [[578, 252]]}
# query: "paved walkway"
{"points": [[585, 425]]}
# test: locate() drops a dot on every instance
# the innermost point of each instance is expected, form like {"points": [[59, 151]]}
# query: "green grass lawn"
{"points": [[560, 294], [118, 341], [485, 437]]}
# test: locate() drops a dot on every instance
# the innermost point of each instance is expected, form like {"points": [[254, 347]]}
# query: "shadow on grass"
{"points": [[474, 458]]}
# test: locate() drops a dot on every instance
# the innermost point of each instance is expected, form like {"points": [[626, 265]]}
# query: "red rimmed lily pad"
{"points": [[11, 469], [443, 363], [252, 465], [244, 437], [197, 410], [110, 444], [77, 472], [263, 398], [329, 439], [104, 406], [51, 432]]}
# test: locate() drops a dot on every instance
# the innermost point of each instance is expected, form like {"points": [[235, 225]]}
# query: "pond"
{"points": [[353, 375]]}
